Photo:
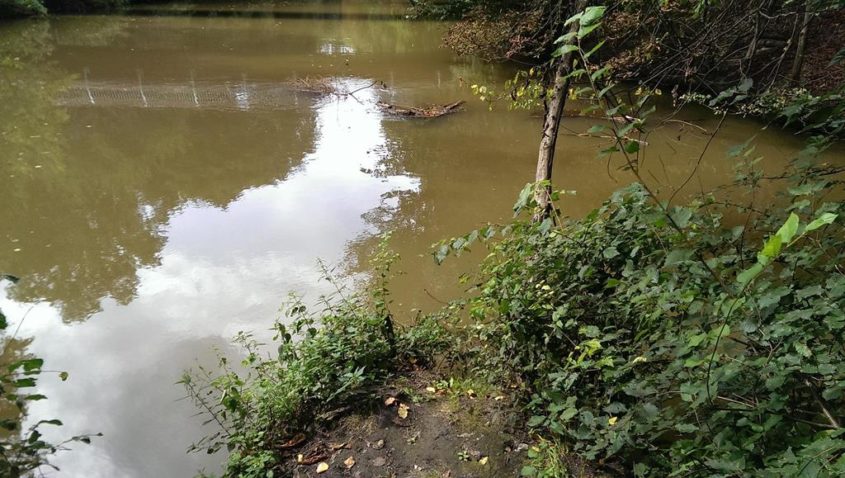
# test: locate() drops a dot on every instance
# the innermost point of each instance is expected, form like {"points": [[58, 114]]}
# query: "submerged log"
{"points": [[433, 111]]}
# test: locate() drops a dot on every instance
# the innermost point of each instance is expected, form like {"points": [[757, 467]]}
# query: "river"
{"points": [[165, 186]]}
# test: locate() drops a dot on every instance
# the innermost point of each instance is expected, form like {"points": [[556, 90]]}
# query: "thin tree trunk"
{"points": [[551, 126], [798, 62]]}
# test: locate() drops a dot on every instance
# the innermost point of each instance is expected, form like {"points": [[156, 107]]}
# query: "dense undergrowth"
{"points": [[327, 362], [671, 345]]}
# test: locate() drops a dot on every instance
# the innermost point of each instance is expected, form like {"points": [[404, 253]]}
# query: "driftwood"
{"points": [[433, 111]]}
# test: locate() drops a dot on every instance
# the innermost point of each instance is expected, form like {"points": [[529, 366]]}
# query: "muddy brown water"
{"points": [[164, 188]]}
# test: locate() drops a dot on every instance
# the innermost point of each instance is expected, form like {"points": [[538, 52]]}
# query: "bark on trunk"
{"points": [[798, 62], [551, 126]]}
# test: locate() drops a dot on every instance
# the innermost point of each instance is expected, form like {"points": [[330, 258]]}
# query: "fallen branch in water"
{"points": [[433, 111]]}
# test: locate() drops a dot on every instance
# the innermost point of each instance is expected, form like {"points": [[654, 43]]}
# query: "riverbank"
{"points": [[597, 338]]}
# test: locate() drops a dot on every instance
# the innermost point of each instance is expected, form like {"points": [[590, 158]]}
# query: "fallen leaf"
{"points": [[349, 462], [379, 445], [499, 398], [403, 410], [322, 467], [612, 421], [483, 460], [430, 389], [389, 401], [337, 446], [300, 458], [471, 393]]}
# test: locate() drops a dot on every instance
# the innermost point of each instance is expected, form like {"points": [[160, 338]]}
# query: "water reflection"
{"points": [[217, 266]]}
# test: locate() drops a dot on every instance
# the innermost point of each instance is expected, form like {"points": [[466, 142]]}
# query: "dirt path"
{"points": [[422, 429]]}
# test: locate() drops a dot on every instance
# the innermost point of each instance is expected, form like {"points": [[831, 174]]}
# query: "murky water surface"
{"points": [[166, 182]]}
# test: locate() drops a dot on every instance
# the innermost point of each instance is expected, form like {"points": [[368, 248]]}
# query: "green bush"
{"points": [[21, 8], [665, 343]]}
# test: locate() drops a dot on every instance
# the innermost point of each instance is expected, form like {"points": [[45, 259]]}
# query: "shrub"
{"points": [[658, 341]]}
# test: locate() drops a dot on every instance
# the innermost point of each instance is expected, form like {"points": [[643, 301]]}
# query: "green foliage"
{"points": [[662, 341], [545, 460], [21, 8], [22, 451], [323, 361]]}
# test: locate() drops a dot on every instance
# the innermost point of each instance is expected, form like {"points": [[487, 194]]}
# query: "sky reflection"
{"points": [[217, 270]]}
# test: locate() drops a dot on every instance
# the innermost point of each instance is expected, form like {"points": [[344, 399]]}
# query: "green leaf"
{"points": [[573, 18], [32, 364], [610, 252], [8, 424], [632, 147], [803, 349], [823, 220], [592, 15], [528, 470], [536, 420], [770, 250], [564, 49], [749, 274], [593, 50], [585, 30], [681, 216], [789, 228], [24, 382]]}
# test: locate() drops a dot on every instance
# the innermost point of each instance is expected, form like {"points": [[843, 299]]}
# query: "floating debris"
{"points": [[432, 111]]}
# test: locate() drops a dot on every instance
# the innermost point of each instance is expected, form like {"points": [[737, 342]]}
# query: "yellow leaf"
{"points": [[612, 421], [430, 389], [322, 467], [483, 460], [349, 462], [299, 458], [403, 410]]}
